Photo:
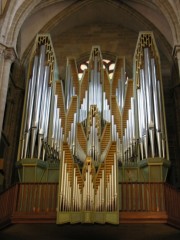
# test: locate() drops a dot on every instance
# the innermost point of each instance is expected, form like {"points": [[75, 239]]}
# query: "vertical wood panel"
{"points": [[34, 199], [142, 197]]}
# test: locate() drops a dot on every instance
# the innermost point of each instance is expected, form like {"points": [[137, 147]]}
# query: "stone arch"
{"points": [[18, 13], [76, 6], [171, 16]]}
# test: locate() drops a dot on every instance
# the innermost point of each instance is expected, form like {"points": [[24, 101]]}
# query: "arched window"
{"points": [[107, 63]]}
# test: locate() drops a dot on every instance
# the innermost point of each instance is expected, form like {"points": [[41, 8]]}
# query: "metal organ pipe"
{"points": [[160, 108], [149, 98], [156, 108], [161, 119], [43, 100], [39, 84], [115, 182], [37, 99], [143, 103], [42, 110], [54, 120], [155, 96], [69, 87], [95, 81], [133, 118], [56, 129], [38, 110], [47, 113], [27, 121], [30, 101], [148, 85], [31, 93], [58, 136], [62, 181]]}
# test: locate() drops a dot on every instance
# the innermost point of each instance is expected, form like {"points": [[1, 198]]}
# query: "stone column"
{"points": [[7, 57], [176, 98]]}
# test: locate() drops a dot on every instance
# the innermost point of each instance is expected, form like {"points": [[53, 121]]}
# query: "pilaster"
{"points": [[7, 57]]}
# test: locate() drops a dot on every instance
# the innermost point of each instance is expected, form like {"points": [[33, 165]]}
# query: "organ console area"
{"points": [[91, 134]]}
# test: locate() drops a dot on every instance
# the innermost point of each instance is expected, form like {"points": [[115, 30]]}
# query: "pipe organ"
{"points": [[96, 131], [42, 131], [149, 99]]}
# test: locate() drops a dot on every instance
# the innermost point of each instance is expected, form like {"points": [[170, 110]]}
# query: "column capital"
{"points": [[176, 51], [2, 48], [10, 54]]}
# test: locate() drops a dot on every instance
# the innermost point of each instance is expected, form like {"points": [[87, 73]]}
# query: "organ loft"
{"points": [[90, 135]]}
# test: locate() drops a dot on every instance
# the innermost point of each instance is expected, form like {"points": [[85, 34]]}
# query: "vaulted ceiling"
{"points": [[75, 26]]}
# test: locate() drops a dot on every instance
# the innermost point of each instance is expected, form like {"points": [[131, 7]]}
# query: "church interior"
{"points": [[90, 117]]}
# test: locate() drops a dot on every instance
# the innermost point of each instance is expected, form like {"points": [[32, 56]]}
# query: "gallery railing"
{"points": [[141, 197], [29, 202], [172, 201], [7, 204], [37, 202]]}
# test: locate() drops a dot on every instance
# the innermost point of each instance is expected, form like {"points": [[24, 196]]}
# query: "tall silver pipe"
{"points": [[46, 122], [133, 118], [130, 131], [62, 181], [103, 110], [32, 93], [128, 139], [160, 108], [43, 118], [91, 96], [71, 88], [112, 127], [143, 103], [140, 122], [56, 129], [42, 110], [115, 130], [33, 139], [26, 123], [47, 112], [149, 98], [148, 85], [59, 135], [123, 87], [140, 117], [156, 108], [43, 100], [74, 133], [86, 103], [95, 81], [37, 98], [155, 96], [99, 89], [39, 84], [30, 101], [151, 136], [54, 120], [161, 118], [68, 76]]}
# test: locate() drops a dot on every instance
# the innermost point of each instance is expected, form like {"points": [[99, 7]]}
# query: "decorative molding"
{"points": [[176, 51], [8, 52], [2, 48]]}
